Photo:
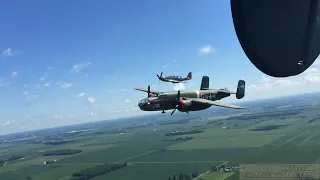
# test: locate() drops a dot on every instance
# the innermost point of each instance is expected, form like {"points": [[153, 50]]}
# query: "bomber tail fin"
{"points": [[241, 89], [204, 83], [189, 75]]}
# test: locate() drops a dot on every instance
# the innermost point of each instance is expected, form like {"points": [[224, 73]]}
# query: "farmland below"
{"points": [[162, 147]]}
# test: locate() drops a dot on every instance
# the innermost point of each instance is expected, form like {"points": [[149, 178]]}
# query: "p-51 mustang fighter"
{"points": [[174, 79], [186, 101]]}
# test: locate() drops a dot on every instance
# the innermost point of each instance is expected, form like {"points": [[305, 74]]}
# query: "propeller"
{"points": [[159, 77], [177, 105]]}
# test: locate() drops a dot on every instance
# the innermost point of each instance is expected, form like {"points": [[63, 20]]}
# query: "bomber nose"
{"points": [[141, 106]]}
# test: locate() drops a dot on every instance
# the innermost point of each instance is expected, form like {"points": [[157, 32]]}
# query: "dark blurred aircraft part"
{"points": [[280, 37], [241, 89]]}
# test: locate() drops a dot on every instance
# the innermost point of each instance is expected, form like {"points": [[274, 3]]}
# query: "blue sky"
{"points": [[66, 62]]}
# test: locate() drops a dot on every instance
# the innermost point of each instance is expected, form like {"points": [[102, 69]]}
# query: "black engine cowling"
{"points": [[184, 105]]}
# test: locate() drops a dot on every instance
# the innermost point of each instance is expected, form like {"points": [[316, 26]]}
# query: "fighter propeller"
{"points": [[159, 77]]}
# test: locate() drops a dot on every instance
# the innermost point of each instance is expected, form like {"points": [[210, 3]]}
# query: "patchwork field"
{"points": [[153, 151]]}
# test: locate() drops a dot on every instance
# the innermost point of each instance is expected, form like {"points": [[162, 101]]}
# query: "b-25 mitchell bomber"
{"points": [[174, 79], [186, 101]]}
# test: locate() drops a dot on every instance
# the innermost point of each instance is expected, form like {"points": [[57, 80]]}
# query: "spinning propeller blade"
{"points": [[173, 111], [159, 76], [177, 105]]}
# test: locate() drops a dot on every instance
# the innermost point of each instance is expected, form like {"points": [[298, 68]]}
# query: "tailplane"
{"points": [[204, 83], [241, 89]]}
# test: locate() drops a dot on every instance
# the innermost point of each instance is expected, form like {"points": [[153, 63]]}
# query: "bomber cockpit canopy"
{"points": [[146, 100]]}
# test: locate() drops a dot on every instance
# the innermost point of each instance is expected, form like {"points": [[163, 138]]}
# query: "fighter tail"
{"points": [[189, 75]]}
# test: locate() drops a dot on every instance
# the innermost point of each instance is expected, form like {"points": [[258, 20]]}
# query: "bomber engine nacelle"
{"points": [[184, 105]]}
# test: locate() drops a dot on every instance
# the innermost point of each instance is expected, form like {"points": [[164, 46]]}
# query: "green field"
{"points": [[217, 175], [290, 140]]}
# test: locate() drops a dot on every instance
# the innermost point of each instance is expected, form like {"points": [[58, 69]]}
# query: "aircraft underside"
{"points": [[166, 106]]}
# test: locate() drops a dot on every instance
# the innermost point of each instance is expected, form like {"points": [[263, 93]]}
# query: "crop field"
{"points": [[251, 140], [155, 171], [152, 151], [217, 175]]}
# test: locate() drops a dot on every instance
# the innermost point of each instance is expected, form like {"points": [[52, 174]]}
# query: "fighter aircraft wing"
{"points": [[175, 81], [146, 90], [214, 103]]}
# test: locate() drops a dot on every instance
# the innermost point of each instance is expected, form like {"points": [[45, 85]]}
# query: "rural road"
{"points": [[305, 140], [289, 140]]}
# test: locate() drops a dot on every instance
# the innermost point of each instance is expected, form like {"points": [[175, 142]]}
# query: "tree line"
{"points": [[182, 176], [179, 139], [184, 133], [61, 152], [11, 158], [15, 157], [272, 114], [57, 142], [97, 171]]}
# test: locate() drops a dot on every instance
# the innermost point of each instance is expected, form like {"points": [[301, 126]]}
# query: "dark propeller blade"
{"points": [[148, 90], [178, 98], [173, 111], [159, 76]]}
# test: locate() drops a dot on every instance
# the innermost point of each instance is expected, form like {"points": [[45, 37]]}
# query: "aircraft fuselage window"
{"points": [[163, 96]]}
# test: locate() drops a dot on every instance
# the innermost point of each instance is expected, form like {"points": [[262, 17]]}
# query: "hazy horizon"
{"points": [[159, 113]]}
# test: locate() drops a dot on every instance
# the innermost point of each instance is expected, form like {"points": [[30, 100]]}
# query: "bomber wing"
{"points": [[225, 91], [220, 90], [214, 103], [146, 90]]}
